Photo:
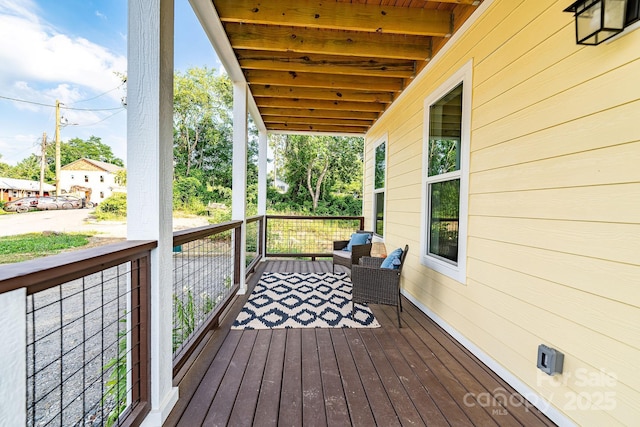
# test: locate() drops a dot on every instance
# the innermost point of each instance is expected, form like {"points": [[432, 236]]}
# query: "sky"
{"points": [[74, 51]]}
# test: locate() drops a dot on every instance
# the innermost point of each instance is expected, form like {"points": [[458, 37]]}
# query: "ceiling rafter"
{"points": [[339, 16], [321, 93], [312, 112], [332, 81], [302, 62], [316, 120], [321, 104], [328, 42], [341, 129]]}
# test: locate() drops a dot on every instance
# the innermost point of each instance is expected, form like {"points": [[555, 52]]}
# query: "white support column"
{"points": [[262, 173], [239, 185], [149, 177], [13, 356], [262, 182]]}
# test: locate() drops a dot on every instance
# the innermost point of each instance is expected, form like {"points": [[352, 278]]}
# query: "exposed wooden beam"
{"points": [[328, 42], [320, 104], [320, 93], [283, 78], [306, 112], [338, 16], [291, 61], [316, 120], [338, 129]]}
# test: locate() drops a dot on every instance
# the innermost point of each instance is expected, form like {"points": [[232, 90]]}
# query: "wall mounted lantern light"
{"points": [[598, 20]]}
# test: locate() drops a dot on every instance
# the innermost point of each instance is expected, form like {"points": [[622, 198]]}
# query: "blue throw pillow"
{"points": [[357, 239], [392, 261]]}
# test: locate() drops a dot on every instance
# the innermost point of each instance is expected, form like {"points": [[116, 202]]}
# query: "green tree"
{"points": [[315, 166], [77, 148], [203, 137], [5, 168], [202, 105], [29, 168], [121, 177]]}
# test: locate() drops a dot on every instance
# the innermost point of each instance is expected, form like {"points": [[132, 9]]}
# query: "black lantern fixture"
{"points": [[598, 20]]}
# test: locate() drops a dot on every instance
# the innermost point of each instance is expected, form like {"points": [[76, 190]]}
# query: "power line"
{"points": [[102, 94], [27, 102], [90, 109], [108, 117], [53, 106]]}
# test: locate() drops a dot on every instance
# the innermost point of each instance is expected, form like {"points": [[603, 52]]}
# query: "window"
{"points": [[633, 12], [102, 194], [86, 178], [379, 178], [101, 178], [72, 177], [445, 176]]}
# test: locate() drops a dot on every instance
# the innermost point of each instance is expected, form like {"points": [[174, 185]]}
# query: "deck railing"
{"points": [[87, 312], [255, 239], [87, 324], [205, 279], [307, 236]]}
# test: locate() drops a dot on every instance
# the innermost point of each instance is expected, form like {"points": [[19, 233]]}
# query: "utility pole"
{"points": [[57, 148], [43, 162]]}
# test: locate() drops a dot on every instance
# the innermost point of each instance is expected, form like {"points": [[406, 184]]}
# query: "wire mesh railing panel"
{"points": [[307, 236], [79, 346], [254, 228], [203, 272]]}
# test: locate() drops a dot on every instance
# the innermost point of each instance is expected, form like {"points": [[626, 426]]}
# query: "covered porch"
{"points": [[416, 375]]}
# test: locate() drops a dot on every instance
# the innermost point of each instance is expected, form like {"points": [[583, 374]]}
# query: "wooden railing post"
{"points": [[237, 256]]}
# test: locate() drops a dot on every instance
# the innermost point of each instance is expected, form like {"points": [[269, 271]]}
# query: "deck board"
{"points": [[414, 375], [247, 399], [313, 410]]}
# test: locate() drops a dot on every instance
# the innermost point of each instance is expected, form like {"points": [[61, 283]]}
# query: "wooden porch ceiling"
{"points": [[334, 66]]}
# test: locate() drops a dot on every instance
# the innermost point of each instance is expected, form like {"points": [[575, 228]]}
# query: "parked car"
{"points": [[21, 205], [60, 202], [84, 203]]}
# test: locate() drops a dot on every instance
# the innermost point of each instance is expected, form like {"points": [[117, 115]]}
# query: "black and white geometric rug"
{"points": [[303, 300]]}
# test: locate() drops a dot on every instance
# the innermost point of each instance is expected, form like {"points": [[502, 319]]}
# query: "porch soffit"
{"points": [[334, 66]]}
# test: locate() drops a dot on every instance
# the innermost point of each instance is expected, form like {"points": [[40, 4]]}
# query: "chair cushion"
{"points": [[342, 254], [392, 261], [358, 239]]}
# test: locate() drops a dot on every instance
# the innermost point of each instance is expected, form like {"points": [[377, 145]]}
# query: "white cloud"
{"points": [[101, 15], [45, 55], [41, 63]]}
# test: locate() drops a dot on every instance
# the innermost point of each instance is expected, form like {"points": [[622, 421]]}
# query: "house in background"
{"points": [[96, 179], [12, 189]]}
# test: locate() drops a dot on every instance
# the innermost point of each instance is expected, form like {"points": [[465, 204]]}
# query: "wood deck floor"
{"points": [[416, 375]]}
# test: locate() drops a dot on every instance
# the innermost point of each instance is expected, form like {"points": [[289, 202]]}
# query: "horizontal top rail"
{"points": [[357, 218], [43, 273], [255, 218], [191, 234]]}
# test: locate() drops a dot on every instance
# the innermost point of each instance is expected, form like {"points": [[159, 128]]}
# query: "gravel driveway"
{"points": [[76, 220], [84, 358]]}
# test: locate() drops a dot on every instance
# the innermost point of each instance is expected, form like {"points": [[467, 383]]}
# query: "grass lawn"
{"points": [[24, 247]]}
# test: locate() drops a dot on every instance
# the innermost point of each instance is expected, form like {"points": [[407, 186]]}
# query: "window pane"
{"points": [[443, 219], [445, 130], [380, 213], [380, 165], [633, 12]]}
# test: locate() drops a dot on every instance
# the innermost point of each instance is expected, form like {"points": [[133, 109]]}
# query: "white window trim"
{"points": [[382, 140], [457, 271]]}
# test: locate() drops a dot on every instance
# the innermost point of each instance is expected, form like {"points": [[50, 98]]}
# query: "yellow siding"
{"points": [[553, 249]]}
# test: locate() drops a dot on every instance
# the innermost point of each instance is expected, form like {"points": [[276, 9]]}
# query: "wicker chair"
{"points": [[372, 284], [347, 259]]}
